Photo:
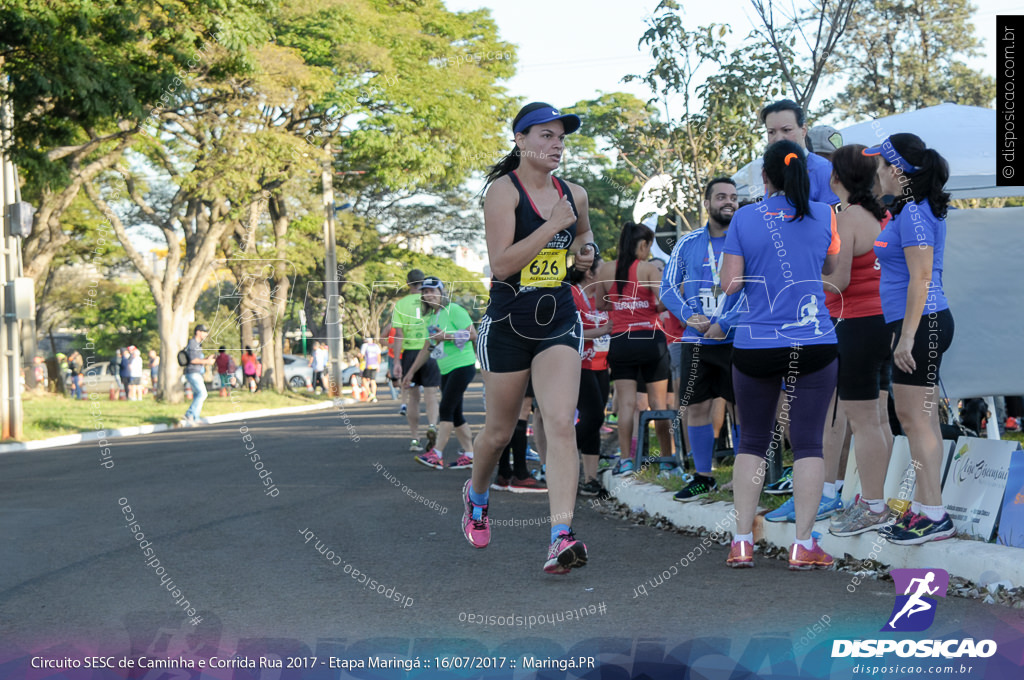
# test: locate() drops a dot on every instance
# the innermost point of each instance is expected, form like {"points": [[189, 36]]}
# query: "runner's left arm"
{"points": [[584, 235]]}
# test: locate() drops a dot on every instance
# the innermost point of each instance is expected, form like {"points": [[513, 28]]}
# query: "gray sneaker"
{"points": [[858, 519]]}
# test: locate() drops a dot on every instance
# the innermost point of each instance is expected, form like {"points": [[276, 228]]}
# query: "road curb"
{"points": [[70, 439], [982, 563]]}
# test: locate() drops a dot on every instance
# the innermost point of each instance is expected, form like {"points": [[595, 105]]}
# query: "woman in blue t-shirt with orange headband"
{"points": [[910, 251], [775, 253]]}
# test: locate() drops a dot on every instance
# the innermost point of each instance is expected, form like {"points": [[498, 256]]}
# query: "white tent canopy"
{"points": [[964, 135]]}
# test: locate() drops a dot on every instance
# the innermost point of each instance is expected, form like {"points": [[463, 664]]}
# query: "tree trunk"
{"points": [[173, 329]]}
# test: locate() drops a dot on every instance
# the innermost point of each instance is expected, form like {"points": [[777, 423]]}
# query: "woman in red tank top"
{"points": [[864, 342], [628, 288]]}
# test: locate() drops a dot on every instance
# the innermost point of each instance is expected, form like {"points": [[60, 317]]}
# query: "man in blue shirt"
{"points": [[785, 119], [194, 374], [691, 290]]}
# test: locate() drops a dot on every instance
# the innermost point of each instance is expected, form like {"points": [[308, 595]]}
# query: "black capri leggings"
{"points": [[453, 387], [590, 403], [809, 376]]}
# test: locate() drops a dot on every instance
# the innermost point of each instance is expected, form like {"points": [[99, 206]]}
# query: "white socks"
{"points": [[877, 506]]}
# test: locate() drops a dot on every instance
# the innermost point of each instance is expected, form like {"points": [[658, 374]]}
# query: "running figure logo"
{"points": [[914, 609]]}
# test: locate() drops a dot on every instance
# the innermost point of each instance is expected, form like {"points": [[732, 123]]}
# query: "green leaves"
{"points": [[900, 56]]}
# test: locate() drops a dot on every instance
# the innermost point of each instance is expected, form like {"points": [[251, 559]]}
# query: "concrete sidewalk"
{"points": [[985, 564]]}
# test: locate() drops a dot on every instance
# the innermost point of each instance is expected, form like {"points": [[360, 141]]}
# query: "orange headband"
{"points": [[788, 157]]}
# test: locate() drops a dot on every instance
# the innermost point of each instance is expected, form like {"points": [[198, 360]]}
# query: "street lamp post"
{"points": [[331, 283]]}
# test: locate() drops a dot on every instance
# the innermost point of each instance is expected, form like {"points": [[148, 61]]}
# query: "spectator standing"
{"points": [[134, 374], [785, 337], [318, 362], [75, 367], [910, 252], [154, 369], [691, 289], [225, 364], [125, 370], [194, 375], [371, 353], [249, 368]]}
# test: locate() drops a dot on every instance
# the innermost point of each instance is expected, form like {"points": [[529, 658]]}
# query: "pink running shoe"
{"points": [[431, 459], [461, 463], [741, 554], [565, 553], [476, 531], [801, 559]]}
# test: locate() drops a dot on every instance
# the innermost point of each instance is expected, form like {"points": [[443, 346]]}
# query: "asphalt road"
{"points": [[75, 580]]}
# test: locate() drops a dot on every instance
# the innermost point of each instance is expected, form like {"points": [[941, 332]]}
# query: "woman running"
{"points": [[593, 376], [851, 293], [910, 251], [450, 342], [534, 222], [629, 288], [782, 246]]}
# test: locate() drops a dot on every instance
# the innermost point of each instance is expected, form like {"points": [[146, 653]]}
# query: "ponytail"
{"points": [[505, 166], [929, 180], [785, 164], [632, 234]]}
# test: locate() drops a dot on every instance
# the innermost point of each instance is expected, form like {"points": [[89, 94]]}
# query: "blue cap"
{"points": [[432, 282], [887, 151], [546, 115]]}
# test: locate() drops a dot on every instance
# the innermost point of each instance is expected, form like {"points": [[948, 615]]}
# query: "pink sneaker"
{"points": [[801, 559], [741, 554], [476, 531], [565, 553], [461, 463], [431, 459]]}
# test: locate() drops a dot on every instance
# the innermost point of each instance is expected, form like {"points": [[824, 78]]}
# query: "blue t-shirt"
{"points": [[785, 301], [819, 170], [916, 225]]}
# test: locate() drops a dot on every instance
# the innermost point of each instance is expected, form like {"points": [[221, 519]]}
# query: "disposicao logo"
{"points": [[913, 612]]}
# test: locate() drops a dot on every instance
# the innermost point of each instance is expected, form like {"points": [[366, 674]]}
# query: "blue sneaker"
{"points": [[783, 486], [531, 454], [829, 507], [623, 467], [784, 513], [787, 511]]}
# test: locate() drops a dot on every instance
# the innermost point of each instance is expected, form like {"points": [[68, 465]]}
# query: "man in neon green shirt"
{"points": [[410, 336]]}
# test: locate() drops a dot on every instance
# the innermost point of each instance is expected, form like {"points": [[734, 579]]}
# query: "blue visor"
{"points": [[887, 151], [546, 115]]}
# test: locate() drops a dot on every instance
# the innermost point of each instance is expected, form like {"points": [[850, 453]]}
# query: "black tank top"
{"points": [[542, 301]]}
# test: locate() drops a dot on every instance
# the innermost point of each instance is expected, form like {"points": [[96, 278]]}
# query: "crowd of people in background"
{"points": [[809, 302]]}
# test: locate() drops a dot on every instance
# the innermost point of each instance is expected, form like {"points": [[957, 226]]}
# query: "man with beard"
{"points": [[691, 289]]}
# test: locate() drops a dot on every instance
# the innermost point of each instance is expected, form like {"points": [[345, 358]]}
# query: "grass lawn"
{"points": [[49, 415], [723, 475]]}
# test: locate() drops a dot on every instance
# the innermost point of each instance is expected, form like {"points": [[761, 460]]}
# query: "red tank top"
{"points": [[635, 308], [861, 297]]}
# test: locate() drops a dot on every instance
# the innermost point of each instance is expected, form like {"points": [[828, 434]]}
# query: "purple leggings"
{"points": [[806, 406]]}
